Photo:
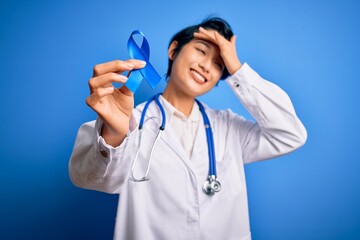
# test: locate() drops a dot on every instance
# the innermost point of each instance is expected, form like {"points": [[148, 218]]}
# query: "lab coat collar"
{"points": [[170, 139], [171, 111], [168, 136]]}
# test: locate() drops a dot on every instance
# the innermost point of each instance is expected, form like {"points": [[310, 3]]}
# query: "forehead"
{"points": [[208, 44]]}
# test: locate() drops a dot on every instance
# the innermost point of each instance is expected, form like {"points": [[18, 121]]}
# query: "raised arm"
{"points": [[113, 105], [98, 156], [277, 130]]}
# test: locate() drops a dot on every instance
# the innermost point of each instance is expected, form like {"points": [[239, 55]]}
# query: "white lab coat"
{"points": [[172, 204]]}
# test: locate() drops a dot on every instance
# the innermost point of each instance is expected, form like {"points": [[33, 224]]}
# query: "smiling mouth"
{"points": [[198, 77]]}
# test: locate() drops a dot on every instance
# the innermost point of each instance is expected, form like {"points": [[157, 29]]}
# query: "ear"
{"points": [[171, 50]]}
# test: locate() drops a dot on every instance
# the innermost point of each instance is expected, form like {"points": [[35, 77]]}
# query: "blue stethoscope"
{"points": [[211, 185]]}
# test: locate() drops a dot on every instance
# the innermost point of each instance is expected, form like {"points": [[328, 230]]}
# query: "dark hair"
{"points": [[187, 34]]}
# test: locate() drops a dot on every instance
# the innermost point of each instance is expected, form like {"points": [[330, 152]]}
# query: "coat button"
{"points": [[103, 153]]}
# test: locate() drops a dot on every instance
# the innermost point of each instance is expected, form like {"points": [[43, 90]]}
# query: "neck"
{"points": [[180, 101]]}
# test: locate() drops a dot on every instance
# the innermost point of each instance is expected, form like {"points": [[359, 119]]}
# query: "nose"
{"points": [[205, 64]]}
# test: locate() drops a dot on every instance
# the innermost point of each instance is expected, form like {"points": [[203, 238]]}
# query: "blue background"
{"points": [[48, 48]]}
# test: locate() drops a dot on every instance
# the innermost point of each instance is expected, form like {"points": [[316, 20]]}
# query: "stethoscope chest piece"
{"points": [[211, 186]]}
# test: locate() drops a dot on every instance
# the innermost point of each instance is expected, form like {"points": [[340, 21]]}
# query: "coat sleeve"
{"points": [[98, 166], [277, 129]]}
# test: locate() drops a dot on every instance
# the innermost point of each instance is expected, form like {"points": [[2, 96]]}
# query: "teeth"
{"points": [[198, 76]]}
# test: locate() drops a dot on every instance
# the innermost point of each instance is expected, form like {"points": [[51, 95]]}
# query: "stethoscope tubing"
{"points": [[141, 124], [210, 140], [211, 185]]}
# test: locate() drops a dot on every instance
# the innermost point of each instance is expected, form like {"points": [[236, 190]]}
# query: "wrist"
{"points": [[234, 67], [112, 137]]}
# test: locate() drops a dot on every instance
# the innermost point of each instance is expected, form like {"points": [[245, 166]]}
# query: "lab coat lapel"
{"points": [[199, 157], [168, 136], [173, 142]]}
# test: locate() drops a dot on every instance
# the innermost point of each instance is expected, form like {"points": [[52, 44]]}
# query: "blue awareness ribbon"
{"points": [[142, 53]]}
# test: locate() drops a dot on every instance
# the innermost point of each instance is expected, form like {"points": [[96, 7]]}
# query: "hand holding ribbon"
{"points": [[142, 53]]}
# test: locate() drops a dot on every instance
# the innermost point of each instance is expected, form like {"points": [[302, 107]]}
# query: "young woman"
{"points": [[179, 195]]}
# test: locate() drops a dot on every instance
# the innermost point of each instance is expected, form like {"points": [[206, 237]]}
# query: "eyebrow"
{"points": [[203, 42], [208, 47]]}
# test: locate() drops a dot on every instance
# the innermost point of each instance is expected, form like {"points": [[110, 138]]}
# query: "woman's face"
{"points": [[196, 68]]}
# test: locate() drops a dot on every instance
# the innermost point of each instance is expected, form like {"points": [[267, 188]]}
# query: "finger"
{"points": [[213, 37], [204, 34], [213, 34], [205, 37], [210, 33], [218, 40], [137, 63], [117, 66], [101, 92], [205, 31], [94, 98], [105, 79], [200, 35]]}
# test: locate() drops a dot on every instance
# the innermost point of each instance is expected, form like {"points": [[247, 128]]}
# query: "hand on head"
{"points": [[227, 48]]}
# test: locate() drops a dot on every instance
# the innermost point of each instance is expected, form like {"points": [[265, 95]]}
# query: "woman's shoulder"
{"points": [[223, 115]]}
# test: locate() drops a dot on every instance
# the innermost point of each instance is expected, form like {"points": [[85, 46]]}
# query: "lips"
{"points": [[198, 77]]}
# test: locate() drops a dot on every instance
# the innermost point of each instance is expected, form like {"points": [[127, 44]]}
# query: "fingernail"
{"points": [[142, 62], [122, 77]]}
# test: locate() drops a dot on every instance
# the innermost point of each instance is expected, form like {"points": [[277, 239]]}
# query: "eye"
{"points": [[219, 65], [200, 50]]}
